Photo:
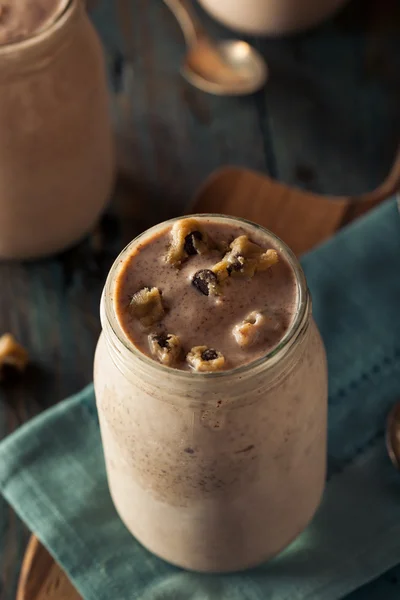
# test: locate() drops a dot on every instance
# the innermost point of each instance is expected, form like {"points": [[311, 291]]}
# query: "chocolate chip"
{"points": [[205, 281], [161, 339], [189, 246], [187, 239], [236, 264], [165, 347], [209, 354], [201, 358]]}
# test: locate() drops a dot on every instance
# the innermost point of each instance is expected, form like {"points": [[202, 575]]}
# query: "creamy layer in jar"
{"points": [[213, 470], [206, 295], [22, 19]]}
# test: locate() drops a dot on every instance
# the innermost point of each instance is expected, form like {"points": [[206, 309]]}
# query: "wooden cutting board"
{"points": [[301, 219]]}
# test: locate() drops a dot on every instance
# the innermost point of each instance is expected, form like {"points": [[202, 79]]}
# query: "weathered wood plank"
{"points": [[331, 110], [176, 135]]}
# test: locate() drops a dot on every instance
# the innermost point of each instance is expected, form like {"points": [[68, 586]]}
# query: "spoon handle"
{"points": [[187, 19]]}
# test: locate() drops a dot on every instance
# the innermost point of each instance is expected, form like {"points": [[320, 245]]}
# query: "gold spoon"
{"points": [[393, 435], [230, 67]]}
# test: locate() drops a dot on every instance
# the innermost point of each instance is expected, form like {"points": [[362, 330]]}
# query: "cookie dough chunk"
{"points": [[147, 306], [12, 355], [248, 332], [166, 348], [203, 359], [244, 259], [187, 239]]}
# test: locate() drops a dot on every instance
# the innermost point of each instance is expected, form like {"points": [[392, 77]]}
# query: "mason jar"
{"points": [[56, 142], [214, 472], [271, 17]]}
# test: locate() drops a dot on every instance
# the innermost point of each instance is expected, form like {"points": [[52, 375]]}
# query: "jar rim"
{"points": [[268, 359], [48, 31]]}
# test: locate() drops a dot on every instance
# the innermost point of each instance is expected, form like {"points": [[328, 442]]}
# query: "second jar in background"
{"points": [[271, 17], [56, 143]]}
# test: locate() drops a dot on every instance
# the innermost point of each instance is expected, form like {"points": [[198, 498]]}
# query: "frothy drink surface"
{"points": [[242, 318]]}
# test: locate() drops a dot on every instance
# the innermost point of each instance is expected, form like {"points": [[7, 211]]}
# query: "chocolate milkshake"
{"points": [[211, 388], [195, 314], [56, 142]]}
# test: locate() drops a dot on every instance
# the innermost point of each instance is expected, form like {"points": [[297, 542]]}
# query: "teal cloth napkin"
{"points": [[52, 470]]}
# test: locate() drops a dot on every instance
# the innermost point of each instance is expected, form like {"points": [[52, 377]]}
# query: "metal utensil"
{"points": [[393, 435], [230, 67]]}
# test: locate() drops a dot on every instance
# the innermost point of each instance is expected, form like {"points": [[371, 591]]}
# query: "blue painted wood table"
{"points": [[328, 120]]}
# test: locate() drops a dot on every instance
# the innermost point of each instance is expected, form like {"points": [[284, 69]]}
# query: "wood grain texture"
{"points": [[302, 219], [253, 196], [328, 121], [41, 578]]}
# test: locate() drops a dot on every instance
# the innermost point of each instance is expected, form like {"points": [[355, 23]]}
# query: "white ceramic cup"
{"points": [[270, 17]]}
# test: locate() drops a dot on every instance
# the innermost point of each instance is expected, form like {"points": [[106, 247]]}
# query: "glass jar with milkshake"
{"points": [[56, 142], [271, 17], [211, 387]]}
